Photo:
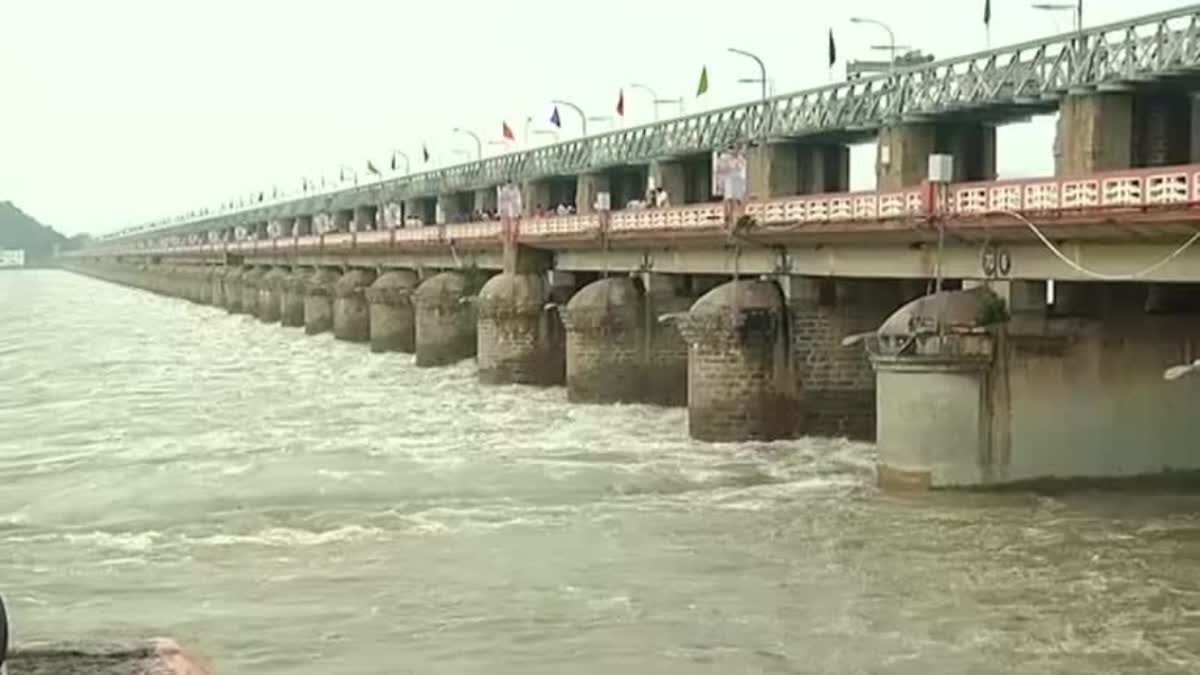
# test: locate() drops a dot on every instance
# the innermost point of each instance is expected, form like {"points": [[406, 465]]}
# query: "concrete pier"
{"points": [[740, 381], [445, 320], [351, 316], [318, 301], [902, 158], [232, 284], [618, 351], [270, 295], [216, 280], [392, 317], [293, 286], [520, 339], [251, 283], [1007, 397], [206, 274]]}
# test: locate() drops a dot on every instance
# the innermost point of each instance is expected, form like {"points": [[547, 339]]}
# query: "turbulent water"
{"points": [[298, 505]]}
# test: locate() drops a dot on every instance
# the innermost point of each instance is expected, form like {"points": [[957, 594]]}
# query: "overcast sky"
{"points": [[113, 112]]}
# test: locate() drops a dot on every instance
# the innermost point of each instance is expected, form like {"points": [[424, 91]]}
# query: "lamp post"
{"points": [[1076, 7], [606, 119], [407, 163], [762, 69], [582, 115], [657, 100], [891, 37], [755, 80], [478, 140], [342, 173]]}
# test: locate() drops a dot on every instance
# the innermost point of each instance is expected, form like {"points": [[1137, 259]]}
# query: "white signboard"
{"points": [[603, 201]]}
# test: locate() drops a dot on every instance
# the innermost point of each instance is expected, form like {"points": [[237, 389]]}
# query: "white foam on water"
{"points": [[124, 541], [287, 537]]}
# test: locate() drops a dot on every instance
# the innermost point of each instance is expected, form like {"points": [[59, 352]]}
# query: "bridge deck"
{"points": [[1129, 205]]}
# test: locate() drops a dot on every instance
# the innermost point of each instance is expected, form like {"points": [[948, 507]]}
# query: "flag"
{"points": [[621, 103], [832, 49], [393, 161], [702, 88], [371, 168], [262, 196], [425, 152], [507, 132], [341, 174], [555, 119], [987, 12]]}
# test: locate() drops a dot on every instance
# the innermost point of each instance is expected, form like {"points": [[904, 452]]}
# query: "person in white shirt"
{"points": [[661, 200]]}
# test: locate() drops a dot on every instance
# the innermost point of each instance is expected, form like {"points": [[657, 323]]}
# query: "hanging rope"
{"points": [[1102, 276]]}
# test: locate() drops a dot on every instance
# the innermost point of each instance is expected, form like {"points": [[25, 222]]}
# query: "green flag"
{"points": [[703, 87]]}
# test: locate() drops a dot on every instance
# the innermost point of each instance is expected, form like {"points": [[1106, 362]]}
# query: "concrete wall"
{"points": [[904, 150], [1052, 399], [1094, 133], [837, 384]]}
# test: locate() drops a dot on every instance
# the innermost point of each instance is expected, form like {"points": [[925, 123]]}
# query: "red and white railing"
{"points": [[1175, 187]]}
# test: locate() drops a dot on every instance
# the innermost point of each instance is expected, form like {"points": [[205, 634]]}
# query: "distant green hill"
{"points": [[18, 230]]}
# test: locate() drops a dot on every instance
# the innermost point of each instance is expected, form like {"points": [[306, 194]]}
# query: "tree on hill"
{"points": [[19, 231]]}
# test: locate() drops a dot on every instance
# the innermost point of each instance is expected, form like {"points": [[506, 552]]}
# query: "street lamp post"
{"points": [[407, 163], [478, 140], [1076, 8], [762, 69], [657, 100], [891, 38], [577, 109], [653, 96], [606, 119]]}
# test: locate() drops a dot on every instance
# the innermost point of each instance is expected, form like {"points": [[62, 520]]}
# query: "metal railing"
{"points": [[1097, 196]]}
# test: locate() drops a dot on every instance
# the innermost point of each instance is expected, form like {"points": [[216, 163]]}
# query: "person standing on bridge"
{"points": [[661, 199]]}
